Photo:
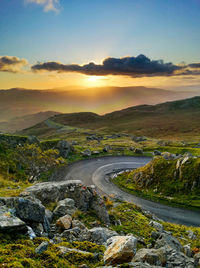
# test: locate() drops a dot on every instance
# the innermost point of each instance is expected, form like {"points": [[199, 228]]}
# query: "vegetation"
{"points": [[166, 181]]}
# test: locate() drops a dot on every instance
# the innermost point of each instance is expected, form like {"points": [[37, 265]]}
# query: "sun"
{"points": [[94, 80]]}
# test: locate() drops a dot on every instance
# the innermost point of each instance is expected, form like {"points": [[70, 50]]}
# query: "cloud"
{"points": [[140, 66], [11, 64], [49, 5]]}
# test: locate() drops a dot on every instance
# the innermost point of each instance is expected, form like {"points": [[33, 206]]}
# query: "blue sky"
{"points": [[91, 30]]}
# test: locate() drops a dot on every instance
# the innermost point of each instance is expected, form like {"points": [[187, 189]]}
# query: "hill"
{"points": [[19, 123], [170, 119], [18, 102]]}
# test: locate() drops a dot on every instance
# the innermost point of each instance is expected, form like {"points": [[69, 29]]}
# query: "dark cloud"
{"points": [[131, 66], [11, 64]]}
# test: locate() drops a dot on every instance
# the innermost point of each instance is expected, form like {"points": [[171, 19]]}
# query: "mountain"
{"points": [[169, 119], [19, 102], [19, 123]]}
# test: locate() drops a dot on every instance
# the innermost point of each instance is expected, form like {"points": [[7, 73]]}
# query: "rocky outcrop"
{"points": [[85, 197], [120, 249], [66, 206], [64, 148]]}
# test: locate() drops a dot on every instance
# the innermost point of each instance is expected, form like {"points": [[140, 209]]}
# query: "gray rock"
{"points": [[49, 215], [197, 259], [106, 149], [42, 247], [151, 256], [187, 251], [168, 240], [100, 235], [64, 148], [10, 223], [86, 153], [156, 152], [138, 139], [191, 234], [138, 151], [158, 226], [66, 206], [79, 224], [85, 197]]}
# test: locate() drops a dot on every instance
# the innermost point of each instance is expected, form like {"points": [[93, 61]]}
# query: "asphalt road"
{"points": [[94, 171]]}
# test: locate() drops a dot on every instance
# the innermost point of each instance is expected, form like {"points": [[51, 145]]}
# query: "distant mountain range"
{"points": [[179, 119], [19, 102]]}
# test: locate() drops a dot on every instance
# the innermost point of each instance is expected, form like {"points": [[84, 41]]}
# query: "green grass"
{"points": [[158, 181]]}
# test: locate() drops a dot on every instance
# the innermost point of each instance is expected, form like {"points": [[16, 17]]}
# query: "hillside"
{"points": [[19, 102], [162, 120], [19, 123]]}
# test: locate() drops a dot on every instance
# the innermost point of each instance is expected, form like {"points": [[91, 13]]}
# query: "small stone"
{"points": [[42, 247], [64, 222]]}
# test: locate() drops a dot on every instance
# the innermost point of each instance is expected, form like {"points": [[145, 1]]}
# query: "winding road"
{"points": [[94, 171]]}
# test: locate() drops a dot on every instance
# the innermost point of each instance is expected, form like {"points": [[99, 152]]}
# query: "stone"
{"points": [[187, 251], [42, 247], [197, 259], [138, 151], [120, 249], [168, 156], [49, 215], [85, 197], [64, 148], [64, 222], [156, 152], [9, 222], [100, 235], [106, 149], [66, 206], [158, 226], [151, 256], [79, 224], [168, 240], [191, 234], [86, 153], [138, 139]]}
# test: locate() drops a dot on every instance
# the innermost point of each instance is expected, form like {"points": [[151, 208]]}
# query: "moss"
{"points": [[160, 181]]}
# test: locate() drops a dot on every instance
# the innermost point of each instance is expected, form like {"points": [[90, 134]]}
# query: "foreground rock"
{"points": [[10, 223], [64, 222], [85, 197], [120, 249]]}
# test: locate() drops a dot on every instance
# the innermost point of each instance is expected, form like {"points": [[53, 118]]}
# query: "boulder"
{"points": [[79, 224], [9, 222], [100, 235], [168, 156], [66, 206], [120, 249], [167, 240], [106, 149], [64, 148], [64, 222], [156, 152], [85, 197], [86, 153], [138, 139], [151, 256]]}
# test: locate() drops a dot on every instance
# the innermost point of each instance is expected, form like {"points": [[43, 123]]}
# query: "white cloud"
{"points": [[49, 5]]}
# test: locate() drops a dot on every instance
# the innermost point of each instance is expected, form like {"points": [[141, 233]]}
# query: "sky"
{"points": [[92, 43]]}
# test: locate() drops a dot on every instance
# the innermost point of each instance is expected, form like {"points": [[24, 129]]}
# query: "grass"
{"points": [[161, 182]]}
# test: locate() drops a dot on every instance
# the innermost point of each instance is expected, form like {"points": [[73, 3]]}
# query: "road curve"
{"points": [[94, 171]]}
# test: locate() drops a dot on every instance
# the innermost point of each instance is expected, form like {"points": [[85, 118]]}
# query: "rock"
{"points": [[42, 247], [85, 197], [86, 153], [65, 250], [138, 139], [191, 234], [158, 226], [132, 148], [49, 215], [66, 206], [141, 265], [151, 256], [197, 259], [187, 251], [10, 223], [168, 240], [138, 151], [32, 140], [106, 149], [120, 249], [100, 235], [156, 152], [64, 222], [168, 156], [64, 148], [95, 152], [178, 259], [79, 224]]}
